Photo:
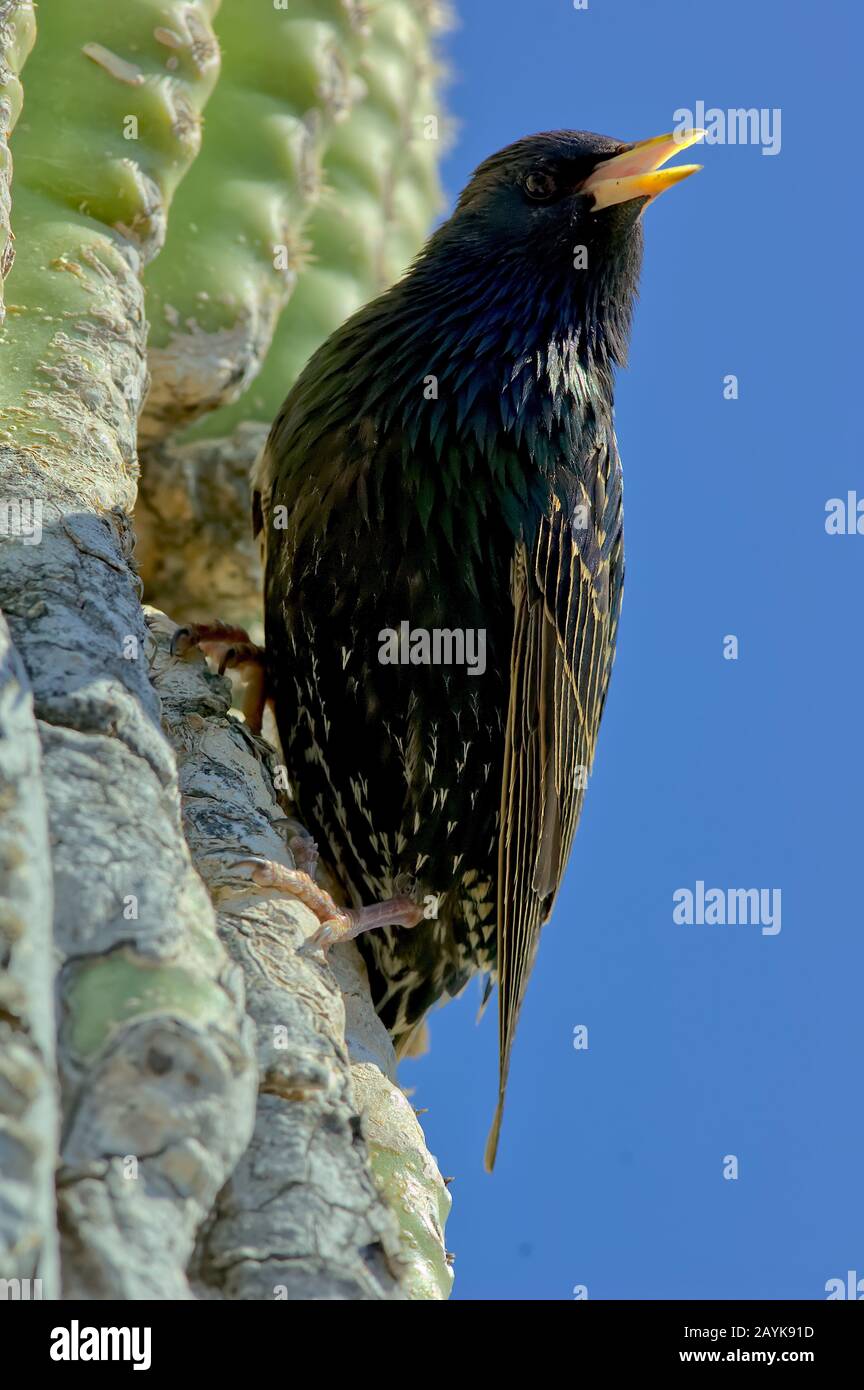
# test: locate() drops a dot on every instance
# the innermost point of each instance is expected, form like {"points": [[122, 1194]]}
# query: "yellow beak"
{"points": [[637, 172]]}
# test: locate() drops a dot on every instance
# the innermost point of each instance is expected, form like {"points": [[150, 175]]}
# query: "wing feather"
{"points": [[566, 594]]}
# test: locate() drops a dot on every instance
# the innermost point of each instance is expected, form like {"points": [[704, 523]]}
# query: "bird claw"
{"points": [[327, 935], [305, 853], [229, 648], [304, 849], [181, 641], [337, 923]]}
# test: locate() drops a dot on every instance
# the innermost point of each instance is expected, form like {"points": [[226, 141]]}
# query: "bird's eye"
{"points": [[540, 185]]}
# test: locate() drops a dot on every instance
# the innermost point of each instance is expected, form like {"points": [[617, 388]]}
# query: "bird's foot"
{"points": [[305, 853], [337, 923], [304, 849], [230, 648]]}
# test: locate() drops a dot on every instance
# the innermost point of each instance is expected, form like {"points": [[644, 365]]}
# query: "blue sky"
{"points": [[704, 1041]]}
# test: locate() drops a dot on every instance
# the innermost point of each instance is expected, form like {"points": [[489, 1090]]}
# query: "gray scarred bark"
{"points": [[302, 1215], [156, 1064], [158, 1081], [28, 1099], [156, 1057]]}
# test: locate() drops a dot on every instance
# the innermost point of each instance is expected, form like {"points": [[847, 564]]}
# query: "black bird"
{"points": [[447, 463]]}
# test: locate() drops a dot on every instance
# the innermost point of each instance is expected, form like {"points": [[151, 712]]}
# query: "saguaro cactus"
{"points": [[235, 244], [197, 1055], [379, 194]]}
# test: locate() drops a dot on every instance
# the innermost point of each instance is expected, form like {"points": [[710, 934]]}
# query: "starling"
{"points": [[440, 507]]}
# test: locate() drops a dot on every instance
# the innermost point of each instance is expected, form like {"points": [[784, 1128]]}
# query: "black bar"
{"points": [[203, 1337]]}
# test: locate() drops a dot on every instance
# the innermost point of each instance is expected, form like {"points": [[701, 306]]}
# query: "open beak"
{"points": [[637, 171]]}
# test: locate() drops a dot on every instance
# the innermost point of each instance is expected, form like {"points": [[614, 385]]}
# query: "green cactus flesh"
{"points": [[236, 236], [380, 195]]}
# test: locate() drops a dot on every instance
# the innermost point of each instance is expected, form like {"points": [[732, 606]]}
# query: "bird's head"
{"points": [[541, 192], [558, 216], [527, 289]]}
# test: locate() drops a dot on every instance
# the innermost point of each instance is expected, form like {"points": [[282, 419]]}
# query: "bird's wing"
{"points": [[566, 590]]}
